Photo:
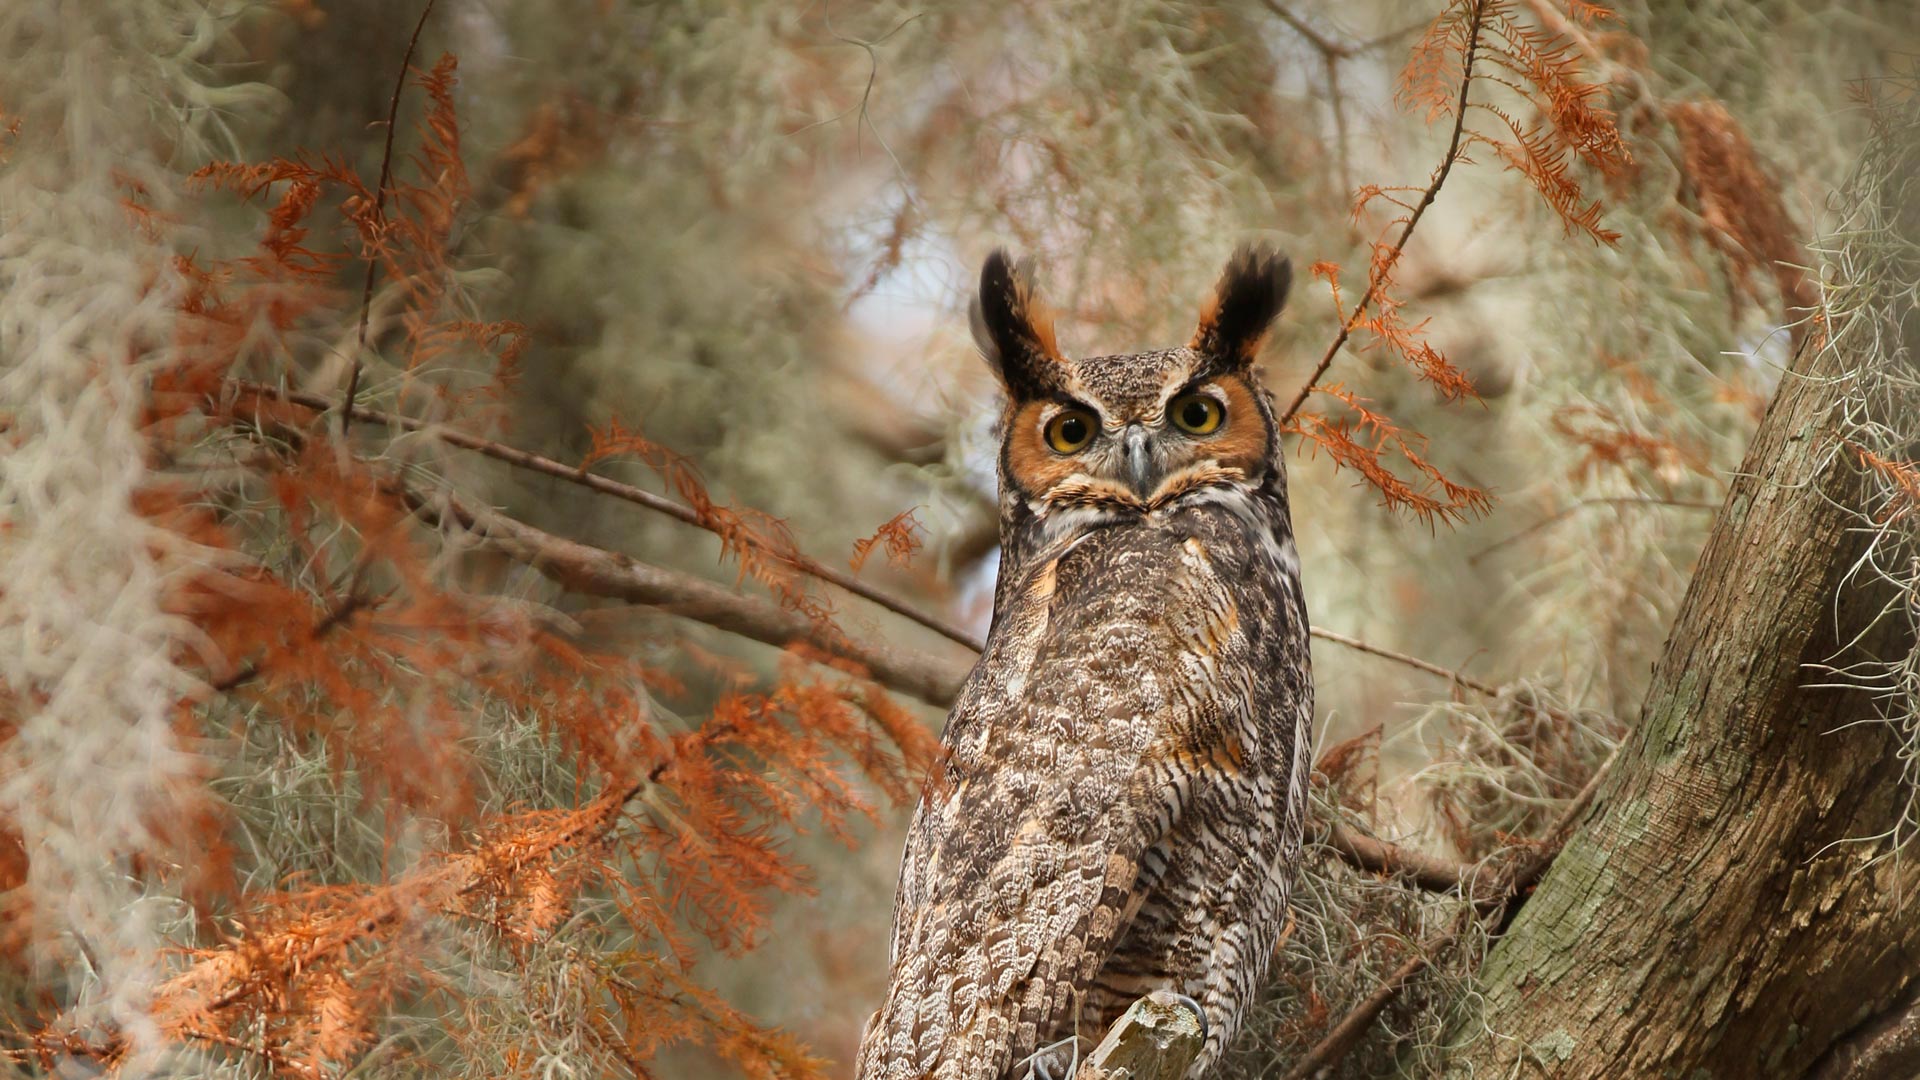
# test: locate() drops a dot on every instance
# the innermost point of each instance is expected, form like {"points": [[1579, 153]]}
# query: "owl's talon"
{"points": [[1041, 1062]]}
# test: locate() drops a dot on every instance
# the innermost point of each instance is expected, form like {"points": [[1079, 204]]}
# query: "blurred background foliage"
{"points": [[748, 230]]}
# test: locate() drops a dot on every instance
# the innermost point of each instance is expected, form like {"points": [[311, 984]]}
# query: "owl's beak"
{"points": [[1143, 475]]}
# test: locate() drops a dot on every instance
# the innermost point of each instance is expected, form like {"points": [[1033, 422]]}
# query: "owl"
{"points": [[1120, 803]]}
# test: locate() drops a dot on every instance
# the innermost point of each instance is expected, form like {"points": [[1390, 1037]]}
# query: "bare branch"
{"points": [[597, 572], [1328, 47], [1352, 1026], [1428, 666], [1624, 500], [379, 219], [1337, 104], [1331, 53], [1429, 872], [627, 492], [760, 623]]}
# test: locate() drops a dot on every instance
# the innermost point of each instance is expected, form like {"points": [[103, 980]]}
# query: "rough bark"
{"points": [[1730, 906]]}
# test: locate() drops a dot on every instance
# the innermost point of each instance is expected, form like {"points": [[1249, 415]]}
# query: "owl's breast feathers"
{"points": [[1133, 692]]}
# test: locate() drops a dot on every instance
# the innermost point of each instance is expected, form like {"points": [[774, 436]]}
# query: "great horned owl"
{"points": [[1125, 777]]}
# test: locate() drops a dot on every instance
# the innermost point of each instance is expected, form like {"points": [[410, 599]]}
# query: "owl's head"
{"points": [[1133, 433]]}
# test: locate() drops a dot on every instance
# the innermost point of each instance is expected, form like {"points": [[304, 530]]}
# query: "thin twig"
{"points": [[627, 492], [1327, 46], [640, 496], [1331, 53], [1335, 1044], [1337, 103], [341, 612], [1428, 666], [1623, 500], [1378, 279], [1392, 36], [379, 220]]}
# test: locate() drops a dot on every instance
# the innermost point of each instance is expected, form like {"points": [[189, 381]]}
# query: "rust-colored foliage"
{"points": [[898, 536], [1609, 443], [1359, 439], [404, 233], [1351, 768], [892, 247], [1738, 210], [326, 605], [1571, 124], [1905, 477], [561, 137], [759, 543], [1474, 45]]}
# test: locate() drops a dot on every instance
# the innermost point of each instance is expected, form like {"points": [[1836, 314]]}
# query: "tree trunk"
{"points": [[1731, 907]]}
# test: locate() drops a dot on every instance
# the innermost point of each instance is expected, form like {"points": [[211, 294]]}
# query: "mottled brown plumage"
{"points": [[1122, 797]]}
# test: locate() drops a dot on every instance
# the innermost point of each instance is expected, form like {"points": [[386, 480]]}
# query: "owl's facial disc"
{"points": [[1132, 433], [1135, 449]]}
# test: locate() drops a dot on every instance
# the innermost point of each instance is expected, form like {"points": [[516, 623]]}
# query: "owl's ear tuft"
{"points": [[1249, 296], [1013, 328]]}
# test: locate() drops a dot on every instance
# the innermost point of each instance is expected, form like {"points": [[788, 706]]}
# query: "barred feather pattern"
{"points": [[1122, 795]]}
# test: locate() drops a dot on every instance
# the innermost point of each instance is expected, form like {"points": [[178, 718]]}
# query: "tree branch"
{"points": [[762, 623], [1377, 280], [1377, 856], [627, 492], [1562, 515], [596, 571], [1354, 1025], [1327, 46], [1428, 666], [379, 220]]}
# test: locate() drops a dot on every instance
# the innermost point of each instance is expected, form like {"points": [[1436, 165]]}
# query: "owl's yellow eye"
{"points": [[1070, 430], [1196, 414]]}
